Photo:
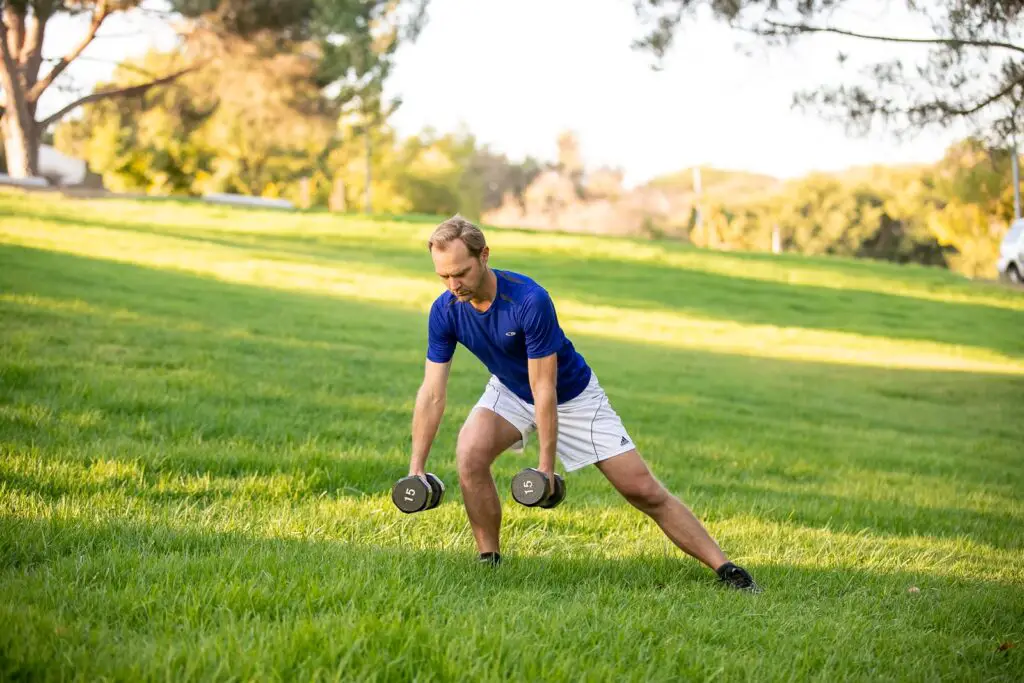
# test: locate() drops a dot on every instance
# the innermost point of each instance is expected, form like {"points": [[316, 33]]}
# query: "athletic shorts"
{"points": [[589, 430]]}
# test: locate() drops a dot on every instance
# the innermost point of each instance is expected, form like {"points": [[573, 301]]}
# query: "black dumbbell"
{"points": [[532, 489], [414, 494]]}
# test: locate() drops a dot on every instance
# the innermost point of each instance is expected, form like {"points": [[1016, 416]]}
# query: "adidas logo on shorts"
{"points": [[624, 441]]}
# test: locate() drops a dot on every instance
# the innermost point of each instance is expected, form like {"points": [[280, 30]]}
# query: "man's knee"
{"points": [[645, 493], [471, 458]]}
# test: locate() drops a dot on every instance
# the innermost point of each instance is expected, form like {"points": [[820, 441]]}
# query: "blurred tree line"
{"points": [[258, 122], [274, 133], [951, 214]]}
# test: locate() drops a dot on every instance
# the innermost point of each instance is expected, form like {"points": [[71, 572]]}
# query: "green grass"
{"points": [[202, 411]]}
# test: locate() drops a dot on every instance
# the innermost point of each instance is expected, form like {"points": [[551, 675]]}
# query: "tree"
{"points": [[570, 159], [256, 121], [970, 71], [499, 177], [430, 174], [147, 143], [359, 39], [973, 202], [327, 31], [23, 79]]}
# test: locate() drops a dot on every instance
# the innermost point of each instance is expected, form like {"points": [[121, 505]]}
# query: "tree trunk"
{"points": [[337, 199], [21, 144], [17, 125]]}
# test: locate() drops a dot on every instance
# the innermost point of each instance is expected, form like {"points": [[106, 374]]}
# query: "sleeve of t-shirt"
{"points": [[540, 325], [440, 335]]}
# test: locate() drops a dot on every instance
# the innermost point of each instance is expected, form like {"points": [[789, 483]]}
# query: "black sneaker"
{"points": [[490, 558], [737, 577]]}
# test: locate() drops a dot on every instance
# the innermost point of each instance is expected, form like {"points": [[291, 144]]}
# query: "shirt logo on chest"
{"points": [[510, 334]]}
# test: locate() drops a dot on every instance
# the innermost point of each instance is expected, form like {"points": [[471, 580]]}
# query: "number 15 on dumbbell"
{"points": [[532, 488], [413, 494]]}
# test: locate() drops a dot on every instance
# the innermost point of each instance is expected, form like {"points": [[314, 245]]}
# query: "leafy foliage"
{"points": [[347, 45], [969, 70], [951, 214]]}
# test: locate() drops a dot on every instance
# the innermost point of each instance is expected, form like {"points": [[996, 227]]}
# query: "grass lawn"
{"points": [[202, 411]]}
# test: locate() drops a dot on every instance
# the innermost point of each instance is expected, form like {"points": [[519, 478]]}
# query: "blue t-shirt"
{"points": [[520, 324]]}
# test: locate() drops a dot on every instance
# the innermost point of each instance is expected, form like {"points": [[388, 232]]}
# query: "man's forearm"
{"points": [[425, 420], [546, 412]]}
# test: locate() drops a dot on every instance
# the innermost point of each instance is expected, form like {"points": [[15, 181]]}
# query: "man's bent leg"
{"points": [[483, 437], [630, 475]]}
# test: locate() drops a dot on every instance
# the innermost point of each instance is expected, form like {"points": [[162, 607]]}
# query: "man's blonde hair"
{"points": [[458, 228]]}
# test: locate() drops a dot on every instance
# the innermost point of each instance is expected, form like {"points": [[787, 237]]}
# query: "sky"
{"points": [[517, 73]]}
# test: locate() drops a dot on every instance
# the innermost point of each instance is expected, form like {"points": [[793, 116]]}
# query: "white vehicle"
{"points": [[1011, 254]]}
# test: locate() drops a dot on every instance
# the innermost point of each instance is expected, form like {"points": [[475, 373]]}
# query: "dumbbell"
{"points": [[532, 489], [414, 494]]}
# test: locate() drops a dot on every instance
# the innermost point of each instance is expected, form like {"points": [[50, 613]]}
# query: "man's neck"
{"points": [[483, 299]]}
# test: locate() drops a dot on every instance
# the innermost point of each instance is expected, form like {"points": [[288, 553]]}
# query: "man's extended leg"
{"points": [[630, 475], [483, 437]]}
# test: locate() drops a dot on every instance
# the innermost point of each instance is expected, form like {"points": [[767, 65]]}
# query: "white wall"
{"points": [[52, 163]]}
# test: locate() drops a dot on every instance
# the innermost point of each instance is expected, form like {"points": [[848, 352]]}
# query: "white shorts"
{"points": [[589, 430]]}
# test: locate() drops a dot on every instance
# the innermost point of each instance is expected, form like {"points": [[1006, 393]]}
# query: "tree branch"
{"points": [[13, 90], [984, 103], [115, 92], [14, 23], [127, 66], [950, 42], [32, 50], [8, 67], [101, 12]]}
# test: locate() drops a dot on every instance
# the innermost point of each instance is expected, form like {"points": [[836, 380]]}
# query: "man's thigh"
{"points": [[484, 436], [498, 421], [630, 476]]}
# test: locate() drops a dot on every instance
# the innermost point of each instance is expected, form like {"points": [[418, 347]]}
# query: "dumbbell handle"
{"points": [[549, 481]]}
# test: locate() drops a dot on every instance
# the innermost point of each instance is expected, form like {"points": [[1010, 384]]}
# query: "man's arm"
{"points": [[543, 383], [543, 340], [430, 404]]}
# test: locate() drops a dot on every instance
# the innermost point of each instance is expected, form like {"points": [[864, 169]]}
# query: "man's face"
{"points": [[461, 273]]}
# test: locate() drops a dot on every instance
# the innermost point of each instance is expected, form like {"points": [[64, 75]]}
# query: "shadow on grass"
{"points": [[650, 285], [315, 415]]}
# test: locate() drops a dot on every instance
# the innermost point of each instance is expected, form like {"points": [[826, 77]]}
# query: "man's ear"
{"points": [[484, 253]]}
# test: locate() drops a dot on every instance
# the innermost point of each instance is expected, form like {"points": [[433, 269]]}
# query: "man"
{"points": [[539, 383]]}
